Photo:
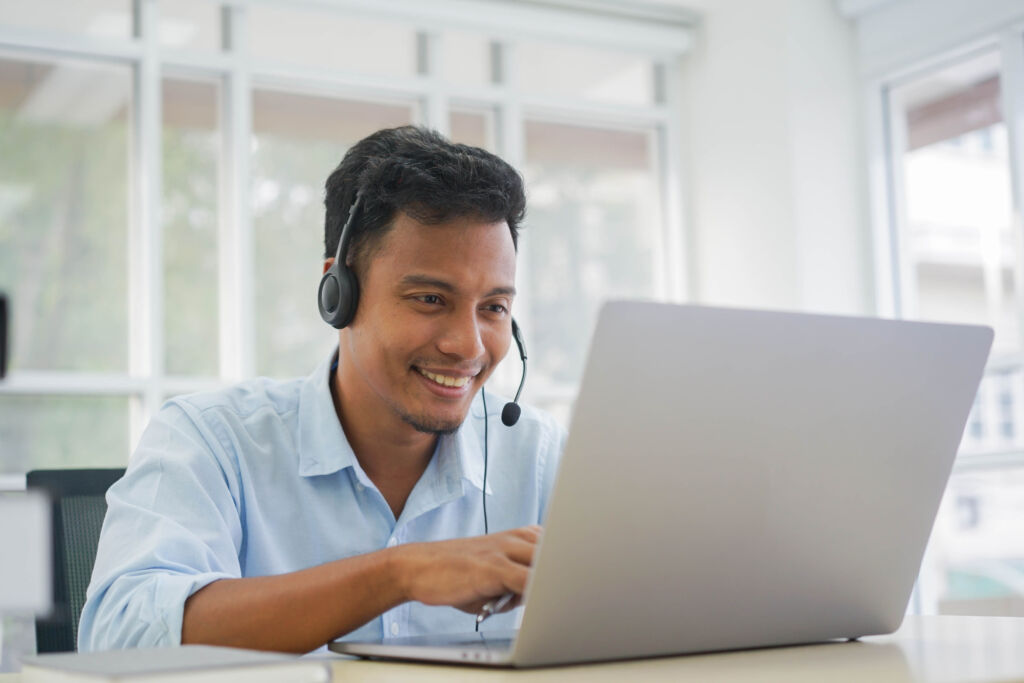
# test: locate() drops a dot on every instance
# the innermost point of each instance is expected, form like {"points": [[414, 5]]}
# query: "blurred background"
{"points": [[162, 165]]}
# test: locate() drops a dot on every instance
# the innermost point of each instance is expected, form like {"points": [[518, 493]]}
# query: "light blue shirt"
{"points": [[258, 480]]}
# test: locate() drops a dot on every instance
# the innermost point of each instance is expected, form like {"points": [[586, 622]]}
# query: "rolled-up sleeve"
{"points": [[173, 526]]}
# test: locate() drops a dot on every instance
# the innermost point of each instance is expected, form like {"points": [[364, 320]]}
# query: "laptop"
{"points": [[735, 479]]}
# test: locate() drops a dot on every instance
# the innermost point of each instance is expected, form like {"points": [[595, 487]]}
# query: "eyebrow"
{"points": [[444, 285]]}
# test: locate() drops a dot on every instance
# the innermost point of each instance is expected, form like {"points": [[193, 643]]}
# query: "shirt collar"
{"points": [[461, 454], [323, 448]]}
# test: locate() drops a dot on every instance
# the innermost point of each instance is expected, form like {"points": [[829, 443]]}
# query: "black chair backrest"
{"points": [[78, 506]]}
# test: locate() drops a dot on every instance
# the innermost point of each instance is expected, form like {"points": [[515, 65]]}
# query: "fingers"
{"points": [[514, 578], [527, 533], [519, 550]]}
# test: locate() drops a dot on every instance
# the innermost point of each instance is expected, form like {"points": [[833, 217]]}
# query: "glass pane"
{"points": [[956, 178], [333, 40], [45, 432], [191, 142], [590, 235], [191, 24], [995, 421], [466, 58], [976, 560], [297, 141], [64, 136], [960, 250], [590, 73], [93, 18], [473, 128]]}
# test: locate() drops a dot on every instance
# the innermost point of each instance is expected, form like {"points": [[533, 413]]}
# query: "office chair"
{"points": [[78, 503]]}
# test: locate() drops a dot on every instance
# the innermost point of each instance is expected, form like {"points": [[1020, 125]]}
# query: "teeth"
{"points": [[445, 379]]}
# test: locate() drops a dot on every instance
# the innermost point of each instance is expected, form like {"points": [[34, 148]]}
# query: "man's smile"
{"points": [[446, 380]]}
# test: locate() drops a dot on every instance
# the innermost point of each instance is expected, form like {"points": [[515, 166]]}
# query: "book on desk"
{"points": [[187, 664]]}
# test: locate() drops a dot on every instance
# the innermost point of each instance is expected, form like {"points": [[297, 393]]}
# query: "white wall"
{"points": [[774, 147]]}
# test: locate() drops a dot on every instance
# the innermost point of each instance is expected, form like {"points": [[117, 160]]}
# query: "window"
{"points": [[161, 196], [191, 215], [339, 40], [957, 255], [93, 18], [297, 141], [586, 183], [64, 202]]}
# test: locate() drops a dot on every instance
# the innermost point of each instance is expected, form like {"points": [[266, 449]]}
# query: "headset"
{"points": [[338, 294], [338, 298]]}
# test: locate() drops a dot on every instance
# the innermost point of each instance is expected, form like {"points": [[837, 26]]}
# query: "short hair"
{"points": [[418, 172]]}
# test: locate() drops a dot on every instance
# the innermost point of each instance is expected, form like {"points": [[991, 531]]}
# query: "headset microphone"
{"points": [[509, 416], [510, 413]]}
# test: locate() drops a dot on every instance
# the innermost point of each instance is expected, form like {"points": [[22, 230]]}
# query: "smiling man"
{"points": [[355, 502]]}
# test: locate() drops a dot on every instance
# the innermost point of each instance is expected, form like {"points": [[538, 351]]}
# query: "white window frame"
{"points": [[662, 34]]}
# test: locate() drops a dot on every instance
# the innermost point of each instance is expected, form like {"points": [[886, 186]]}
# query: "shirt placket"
{"points": [[395, 622]]}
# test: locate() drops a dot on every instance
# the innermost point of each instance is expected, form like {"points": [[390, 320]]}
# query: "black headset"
{"points": [[338, 295]]}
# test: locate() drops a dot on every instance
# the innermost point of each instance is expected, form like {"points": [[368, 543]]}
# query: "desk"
{"points": [[926, 648]]}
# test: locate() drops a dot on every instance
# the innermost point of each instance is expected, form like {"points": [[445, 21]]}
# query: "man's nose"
{"points": [[461, 337]]}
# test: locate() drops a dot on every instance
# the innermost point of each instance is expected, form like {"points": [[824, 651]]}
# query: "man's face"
{"points": [[434, 318]]}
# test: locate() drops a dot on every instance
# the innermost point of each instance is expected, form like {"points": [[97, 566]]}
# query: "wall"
{"points": [[774, 147]]}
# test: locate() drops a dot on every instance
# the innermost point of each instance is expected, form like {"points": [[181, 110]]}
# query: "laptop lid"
{"points": [[740, 479]]}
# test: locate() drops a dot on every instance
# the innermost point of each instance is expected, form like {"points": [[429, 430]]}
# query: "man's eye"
{"points": [[430, 298], [497, 308]]}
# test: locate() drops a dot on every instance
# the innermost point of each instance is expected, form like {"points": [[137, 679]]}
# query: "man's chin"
{"points": [[429, 425]]}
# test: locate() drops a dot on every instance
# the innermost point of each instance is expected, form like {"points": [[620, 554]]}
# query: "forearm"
{"points": [[295, 612]]}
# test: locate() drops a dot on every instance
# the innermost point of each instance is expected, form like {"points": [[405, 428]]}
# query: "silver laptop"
{"points": [[736, 479]]}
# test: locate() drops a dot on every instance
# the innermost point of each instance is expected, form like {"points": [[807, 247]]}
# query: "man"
{"points": [[282, 515]]}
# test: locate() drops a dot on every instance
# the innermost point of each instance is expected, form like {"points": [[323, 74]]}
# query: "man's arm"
{"points": [[300, 611]]}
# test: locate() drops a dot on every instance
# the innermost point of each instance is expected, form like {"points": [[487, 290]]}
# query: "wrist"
{"points": [[398, 571]]}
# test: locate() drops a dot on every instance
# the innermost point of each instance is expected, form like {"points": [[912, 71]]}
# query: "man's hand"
{"points": [[299, 611], [467, 572]]}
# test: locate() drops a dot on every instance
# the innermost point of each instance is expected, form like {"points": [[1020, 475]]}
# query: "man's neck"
{"points": [[392, 453]]}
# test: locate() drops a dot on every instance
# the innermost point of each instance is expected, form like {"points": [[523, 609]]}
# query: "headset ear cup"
{"points": [[348, 298], [328, 295], [338, 296]]}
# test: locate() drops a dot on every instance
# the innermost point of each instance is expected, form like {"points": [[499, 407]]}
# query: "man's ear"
{"points": [[327, 264]]}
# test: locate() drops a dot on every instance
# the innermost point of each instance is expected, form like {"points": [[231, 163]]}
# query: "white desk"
{"points": [[924, 649]]}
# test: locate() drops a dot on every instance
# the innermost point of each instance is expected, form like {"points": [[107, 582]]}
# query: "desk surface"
{"points": [[926, 648]]}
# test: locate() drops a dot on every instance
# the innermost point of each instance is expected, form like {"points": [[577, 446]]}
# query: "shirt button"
{"points": [[392, 542], [394, 628], [359, 486]]}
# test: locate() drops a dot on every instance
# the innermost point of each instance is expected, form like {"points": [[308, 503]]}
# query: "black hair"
{"points": [[418, 172]]}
